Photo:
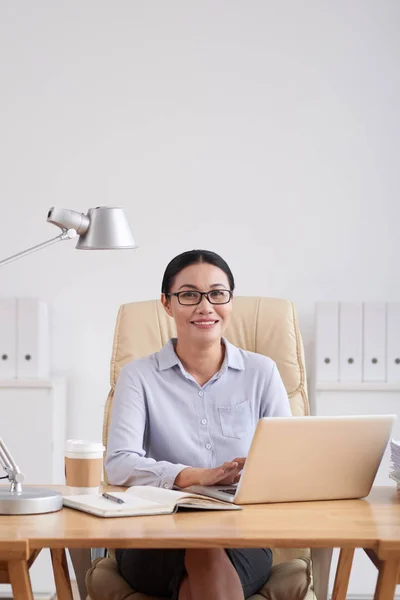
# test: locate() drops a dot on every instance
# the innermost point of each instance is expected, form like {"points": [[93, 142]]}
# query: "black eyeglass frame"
{"points": [[206, 294]]}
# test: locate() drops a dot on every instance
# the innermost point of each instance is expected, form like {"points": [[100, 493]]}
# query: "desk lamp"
{"points": [[17, 501], [102, 228]]}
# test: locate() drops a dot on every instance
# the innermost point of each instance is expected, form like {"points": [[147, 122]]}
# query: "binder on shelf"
{"points": [[350, 341], [327, 341], [33, 351], [393, 342], [8, 338], [374, 334]]}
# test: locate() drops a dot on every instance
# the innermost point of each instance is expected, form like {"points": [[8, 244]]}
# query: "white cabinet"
{"points": [[33, 426], [367, 399]]}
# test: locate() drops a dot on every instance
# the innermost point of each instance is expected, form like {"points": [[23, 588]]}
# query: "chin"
{"points": [[207, 334]]}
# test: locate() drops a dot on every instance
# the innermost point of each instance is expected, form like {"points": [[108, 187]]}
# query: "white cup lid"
{"points": [[83, 446]]}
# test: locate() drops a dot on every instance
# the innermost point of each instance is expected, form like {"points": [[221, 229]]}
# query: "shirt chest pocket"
{"points": [[235, 420]]}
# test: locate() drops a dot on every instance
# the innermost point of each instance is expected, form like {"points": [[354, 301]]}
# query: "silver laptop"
{"points": [[309, 458]]}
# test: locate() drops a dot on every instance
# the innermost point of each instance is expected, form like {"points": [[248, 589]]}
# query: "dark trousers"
{"points": [[160, 572]]}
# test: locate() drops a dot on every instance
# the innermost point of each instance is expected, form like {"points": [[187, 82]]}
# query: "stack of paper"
{"points": [[395, 458]]}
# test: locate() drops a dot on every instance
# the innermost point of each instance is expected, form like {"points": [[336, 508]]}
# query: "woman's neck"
{"points": [[202, 363]]}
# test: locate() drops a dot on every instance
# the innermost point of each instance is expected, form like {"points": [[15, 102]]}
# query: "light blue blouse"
{"points": [[163, 420]]}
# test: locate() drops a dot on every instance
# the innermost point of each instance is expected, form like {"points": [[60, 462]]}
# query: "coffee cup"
{"points": [[83, 466]]}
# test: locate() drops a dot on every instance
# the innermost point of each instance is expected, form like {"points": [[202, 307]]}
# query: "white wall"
{"points": [[267, 131]]}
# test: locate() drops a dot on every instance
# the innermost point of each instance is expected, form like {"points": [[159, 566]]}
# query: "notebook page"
{"points": [[168, 497], [154, 494], [98, 502]]}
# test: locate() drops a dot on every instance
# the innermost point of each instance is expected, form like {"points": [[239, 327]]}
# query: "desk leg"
{"points": [[387, 579], [20, 581], [61, 574], [342, 576]]}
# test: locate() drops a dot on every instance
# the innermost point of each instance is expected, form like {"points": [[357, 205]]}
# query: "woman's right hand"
{"points": [[228, 473]]}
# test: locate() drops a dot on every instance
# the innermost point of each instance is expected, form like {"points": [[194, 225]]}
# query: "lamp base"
{"points": [[31, 501]]}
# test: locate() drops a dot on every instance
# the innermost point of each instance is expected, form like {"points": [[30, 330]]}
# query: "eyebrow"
{"points": [[193, 287]]}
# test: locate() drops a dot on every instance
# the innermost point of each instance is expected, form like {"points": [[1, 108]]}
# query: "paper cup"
{"points": [[83, 466]]}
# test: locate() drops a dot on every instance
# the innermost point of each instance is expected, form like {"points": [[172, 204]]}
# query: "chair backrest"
{"points": [[264, 325]]}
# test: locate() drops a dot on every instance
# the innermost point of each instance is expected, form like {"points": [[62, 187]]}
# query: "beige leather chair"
{"points": [[264, 325]]}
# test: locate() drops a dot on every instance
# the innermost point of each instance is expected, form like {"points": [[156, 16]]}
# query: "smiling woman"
{"points": [[186, 415]]}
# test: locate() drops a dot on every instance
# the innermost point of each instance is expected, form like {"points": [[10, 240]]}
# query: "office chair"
{"points": [[264, 325]]}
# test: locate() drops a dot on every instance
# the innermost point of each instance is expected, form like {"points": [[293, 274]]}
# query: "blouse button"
{"points": [[208, 446], [166, 485], [201, 393], [204, 421]]}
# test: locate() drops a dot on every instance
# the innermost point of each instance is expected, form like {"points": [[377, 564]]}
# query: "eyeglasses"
{"points": [[194, 297]]}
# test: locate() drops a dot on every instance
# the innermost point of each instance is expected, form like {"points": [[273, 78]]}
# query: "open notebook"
{"points": [[140, 500]]}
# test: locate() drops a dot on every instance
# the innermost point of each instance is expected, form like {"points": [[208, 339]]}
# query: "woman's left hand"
{"points": [[235, 476]]}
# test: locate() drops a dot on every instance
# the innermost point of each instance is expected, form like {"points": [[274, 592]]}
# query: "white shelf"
{"points": [[33, 423], [355, 386], [26, 383]]}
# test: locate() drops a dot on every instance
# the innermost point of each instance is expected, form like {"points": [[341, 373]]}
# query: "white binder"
{"points": [[374, 360], [393, 342], [350, 341], [8, 338], [33, 352], [327, 341]]}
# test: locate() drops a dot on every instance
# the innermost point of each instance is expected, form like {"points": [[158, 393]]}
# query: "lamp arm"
{"points": [[67, 234], [9, 465]]}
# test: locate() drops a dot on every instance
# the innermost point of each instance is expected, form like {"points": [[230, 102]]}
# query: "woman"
{"points": [[186, 415]]}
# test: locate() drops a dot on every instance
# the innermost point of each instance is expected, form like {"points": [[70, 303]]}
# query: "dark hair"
{"points": [[192, 257]]}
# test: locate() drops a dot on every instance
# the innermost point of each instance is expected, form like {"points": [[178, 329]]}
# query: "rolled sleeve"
{"points": [[169, 475]]}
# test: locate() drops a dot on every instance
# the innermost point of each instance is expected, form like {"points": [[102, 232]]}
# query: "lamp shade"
{"points": [[108, 230]]}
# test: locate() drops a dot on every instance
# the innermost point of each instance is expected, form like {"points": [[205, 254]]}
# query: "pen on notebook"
{"points": [[113, 498]]}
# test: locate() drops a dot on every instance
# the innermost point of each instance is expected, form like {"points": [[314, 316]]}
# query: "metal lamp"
{"points": [[17, 501], [102, 228]]}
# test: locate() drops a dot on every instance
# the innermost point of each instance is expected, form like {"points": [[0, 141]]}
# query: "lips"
{"points": [[208, 322], [205, 324]]}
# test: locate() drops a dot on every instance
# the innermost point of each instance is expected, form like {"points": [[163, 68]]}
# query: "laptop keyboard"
{"points": [[231, 491]]}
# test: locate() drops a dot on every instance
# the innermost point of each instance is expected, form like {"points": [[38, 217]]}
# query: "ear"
{"points": [[165, 301]]}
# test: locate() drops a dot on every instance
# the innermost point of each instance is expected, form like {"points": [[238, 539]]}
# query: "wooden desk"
{"points": [[372, 523]]}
